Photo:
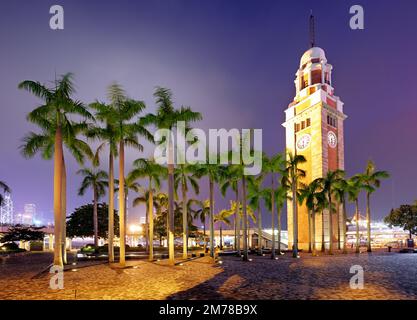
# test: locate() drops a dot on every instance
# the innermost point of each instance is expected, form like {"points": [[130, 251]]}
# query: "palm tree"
{"points": [[223, 218], [147, 168], [354, 187], [57, 129], [290, 180], [215, 174], [107, 135], [183, 177], [321, 205], [340, 189], [371, 180], [121, 113], [230, 180], [272, 166], [281, 196], [167, 117], [97, 180], [5, 188], [201, 212], [255, 194], [328, 183], [308, 194]]}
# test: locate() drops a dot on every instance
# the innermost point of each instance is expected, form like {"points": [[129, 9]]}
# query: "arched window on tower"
{"points": [[327, 78], [316, 76]]}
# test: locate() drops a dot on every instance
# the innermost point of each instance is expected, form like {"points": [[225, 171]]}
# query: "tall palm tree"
{"points": [[272, 166], [97, 180], [57, 128], [290, 180], [371, 180], [215, 174], [183, 178], [354, 187], [308, 194], [107, 136], [149, 169], [167, 117], [230, 180], [340, 189], [122, 116], [328, 183], [255, 194], [5, 188]]}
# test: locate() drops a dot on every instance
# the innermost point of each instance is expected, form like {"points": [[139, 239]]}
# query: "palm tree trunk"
{"points": [[259, 232], [95, 218], [344, 227], [368, 220], [235, 233], [357, 226], [150, 219], [171, 248], [309, 231], [313, 223], [204, 235], [64, 211], [221, 237], [58, 156], [111, 209], [245, 221], [237, 217], [122, 216], [147, 228], [279, 214], [273, 217], [339, 239], [211, 187], [323, 248], [184, 223], [295, 218], [330, 225]]}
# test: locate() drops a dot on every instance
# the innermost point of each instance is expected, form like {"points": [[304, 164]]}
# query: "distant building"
{"points": [[142, 220], [29, 213], [6, 210]]}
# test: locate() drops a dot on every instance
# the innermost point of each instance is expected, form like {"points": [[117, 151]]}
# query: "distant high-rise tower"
{"points": [[6, 210], [29, 213]]}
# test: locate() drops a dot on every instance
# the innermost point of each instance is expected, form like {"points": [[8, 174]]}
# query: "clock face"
{"points": [[303, 142], [332, 139]]}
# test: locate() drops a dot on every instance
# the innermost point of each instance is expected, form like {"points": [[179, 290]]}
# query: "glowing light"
{"points": [[134, 228], [74, 270]]}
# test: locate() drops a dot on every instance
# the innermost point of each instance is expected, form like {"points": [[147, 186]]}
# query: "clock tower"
{"points": [[314, 129]]}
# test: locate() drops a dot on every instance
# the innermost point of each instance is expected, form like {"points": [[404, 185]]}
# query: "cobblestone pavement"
{"points": [[387, 276]]}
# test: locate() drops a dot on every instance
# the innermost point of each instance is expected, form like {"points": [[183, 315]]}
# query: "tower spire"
{"points": [[312, 30]]}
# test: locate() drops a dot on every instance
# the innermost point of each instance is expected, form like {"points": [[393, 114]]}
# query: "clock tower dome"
{"points": [[314, 129]]}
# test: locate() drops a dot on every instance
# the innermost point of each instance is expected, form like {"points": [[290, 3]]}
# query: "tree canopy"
{"points": [[80, 223], [405, 217], [20, 233]]}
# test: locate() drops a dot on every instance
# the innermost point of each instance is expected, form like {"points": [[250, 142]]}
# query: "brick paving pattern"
{"points": [[387, 276]]}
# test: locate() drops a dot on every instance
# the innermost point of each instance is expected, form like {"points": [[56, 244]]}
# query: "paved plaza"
{"points": [[387, 276]]}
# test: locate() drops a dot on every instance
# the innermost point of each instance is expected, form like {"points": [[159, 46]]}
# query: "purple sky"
{"points": [[232, 60]]}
